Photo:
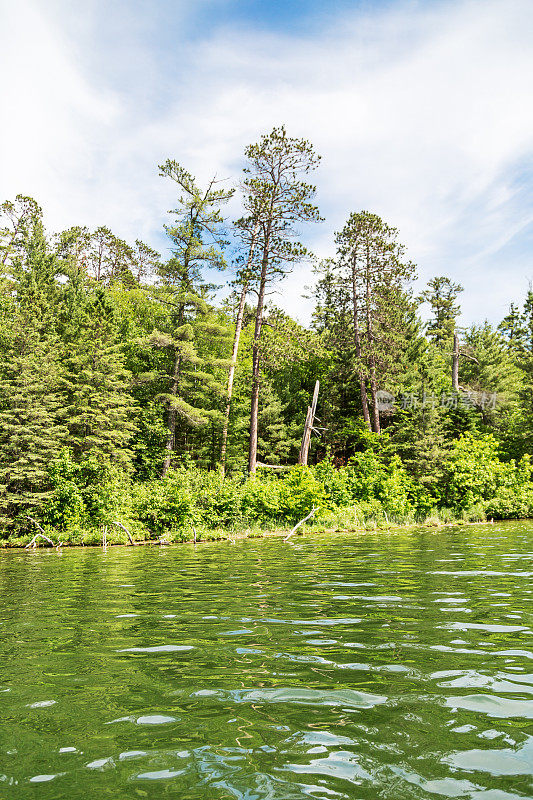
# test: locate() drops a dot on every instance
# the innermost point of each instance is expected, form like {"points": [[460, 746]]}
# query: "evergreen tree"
{"points": [[517, 329], [341, 370], [441, 294], [30, 402], [198, 240], [30, 431], [98, 406], [371, 266], [276, 198]]}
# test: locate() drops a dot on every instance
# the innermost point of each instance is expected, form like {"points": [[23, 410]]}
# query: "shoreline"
{"points": [[275, 533]]}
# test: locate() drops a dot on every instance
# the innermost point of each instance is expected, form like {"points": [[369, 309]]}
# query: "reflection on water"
{"points": [[380, 666]]}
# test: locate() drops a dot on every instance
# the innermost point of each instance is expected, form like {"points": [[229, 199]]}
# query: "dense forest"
{"points": [[131, 393]]}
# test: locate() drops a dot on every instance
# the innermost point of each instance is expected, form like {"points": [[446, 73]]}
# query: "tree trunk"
{"points": [[455, 363], [172, 414], [171, 423], [231, 376], [236, 340], [358, 349], [371, 357], [374, 394], [254, 409], [308, 427]]}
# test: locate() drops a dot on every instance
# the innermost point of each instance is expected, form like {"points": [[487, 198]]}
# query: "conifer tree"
{"points": [[517, 330], [513, 329], [30, 429], [30, 401], [441, 294], [98, 406], [339, 367], [277, 198], [198, 240], [371, 262]]}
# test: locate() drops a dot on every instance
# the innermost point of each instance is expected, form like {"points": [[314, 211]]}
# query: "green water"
{"points": [[380, 666]]}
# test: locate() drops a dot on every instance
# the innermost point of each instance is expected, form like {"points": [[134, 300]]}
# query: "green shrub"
{"points": [[87, 492], [476, 474], [334, 482], [162, 505], [262, 498], [510, 503], [363, 475], [374, 490], [217, 500], [394, 489], [300, 491]]}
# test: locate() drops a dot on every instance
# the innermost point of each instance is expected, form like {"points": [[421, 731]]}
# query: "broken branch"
{"points": [[311, 513], [120, 525]]}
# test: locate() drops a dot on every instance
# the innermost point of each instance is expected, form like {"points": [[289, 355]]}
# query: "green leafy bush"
{"points": [[300, 491], [87, 492], [373, 490], [334, 482], [510, 503], [217, 500], [477, 474], [262, 498], [162, 505]]}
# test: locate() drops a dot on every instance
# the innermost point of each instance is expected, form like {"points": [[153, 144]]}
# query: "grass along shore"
{"points": [[339, 521]]}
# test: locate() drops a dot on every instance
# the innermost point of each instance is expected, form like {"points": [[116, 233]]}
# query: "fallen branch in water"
{"points": [[120, 525], [311, 513], [41, 535], [33, 542], [37, 526]]}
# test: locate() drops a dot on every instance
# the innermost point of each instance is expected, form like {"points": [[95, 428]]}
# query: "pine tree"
{"points": [[441, 294], [340, 368], [276, 198], [30, 431], [371, 263], [517, 329], [98, 406], [198, 241]]}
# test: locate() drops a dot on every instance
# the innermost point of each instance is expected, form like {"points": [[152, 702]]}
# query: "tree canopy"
{"points": [[127, 378]]}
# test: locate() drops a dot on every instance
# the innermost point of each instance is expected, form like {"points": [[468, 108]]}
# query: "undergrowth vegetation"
{"points": [[373, 490]]}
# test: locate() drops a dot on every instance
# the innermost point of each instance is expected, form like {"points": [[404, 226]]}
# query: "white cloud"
{"points": [[421, 111]]}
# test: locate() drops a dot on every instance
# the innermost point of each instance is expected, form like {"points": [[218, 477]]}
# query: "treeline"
{"points": [[129, 393]]}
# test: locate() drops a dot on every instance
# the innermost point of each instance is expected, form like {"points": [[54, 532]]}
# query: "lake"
{"points": [[391, 665]]}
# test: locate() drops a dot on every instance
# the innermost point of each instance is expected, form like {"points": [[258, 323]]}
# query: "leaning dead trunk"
{"points": [[308, 427], [455, 363]]}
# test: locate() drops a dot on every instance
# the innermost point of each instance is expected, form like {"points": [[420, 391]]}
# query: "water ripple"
{"points": [[345, 667]]}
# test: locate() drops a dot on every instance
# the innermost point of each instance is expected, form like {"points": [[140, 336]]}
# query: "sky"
{"points": [[421, 111]]}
